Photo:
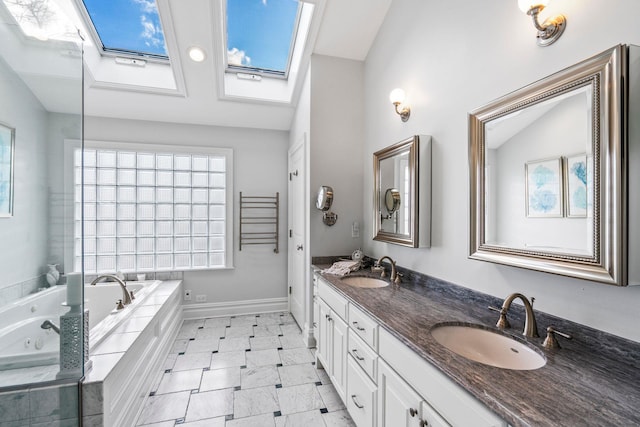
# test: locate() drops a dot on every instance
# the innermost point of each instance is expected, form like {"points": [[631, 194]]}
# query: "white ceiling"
{"points": [[347, 30]]}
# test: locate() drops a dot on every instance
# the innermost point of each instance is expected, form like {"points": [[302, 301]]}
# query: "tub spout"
{"points": [[126, 298], [48, 324]]}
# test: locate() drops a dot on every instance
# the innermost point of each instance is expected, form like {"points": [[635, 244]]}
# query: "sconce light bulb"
{"points": [[397, 96], [527, 5]]}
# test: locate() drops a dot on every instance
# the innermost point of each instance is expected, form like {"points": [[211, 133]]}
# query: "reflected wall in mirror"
{"points": [[547, 173], [402, 192]]}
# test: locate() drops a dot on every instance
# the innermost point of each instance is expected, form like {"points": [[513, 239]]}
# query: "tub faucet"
{"points": [[48, 324], [126, 298], [530, 326], [393, 276]]}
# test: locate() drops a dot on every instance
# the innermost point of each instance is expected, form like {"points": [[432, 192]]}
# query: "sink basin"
{"points": [[364, 282], [485, 346]]}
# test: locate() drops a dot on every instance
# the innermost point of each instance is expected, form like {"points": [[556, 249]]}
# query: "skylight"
{"points": [[42, 19], [261, 34], [130, 27]]}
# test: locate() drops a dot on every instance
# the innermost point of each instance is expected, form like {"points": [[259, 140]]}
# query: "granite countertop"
{"points": [[593, 379]]}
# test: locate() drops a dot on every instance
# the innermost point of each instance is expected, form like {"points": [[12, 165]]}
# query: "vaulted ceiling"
{"points": [[343, 28]]}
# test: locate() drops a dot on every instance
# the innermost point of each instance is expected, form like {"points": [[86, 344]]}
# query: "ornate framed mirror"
{"points": [[402, 193], [547, 174]]}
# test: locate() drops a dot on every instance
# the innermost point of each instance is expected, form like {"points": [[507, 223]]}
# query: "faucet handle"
{"points": [[119, 305], [398, 278], [551, 342], [502, 322]]}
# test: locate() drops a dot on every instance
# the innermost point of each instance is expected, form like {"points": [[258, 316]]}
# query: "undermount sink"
{"points": [[485, 346], [364, 282]]}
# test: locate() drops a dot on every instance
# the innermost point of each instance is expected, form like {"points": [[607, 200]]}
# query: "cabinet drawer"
{"points": [[336, 301], [361, 395], [364, 326], [363, 355]]}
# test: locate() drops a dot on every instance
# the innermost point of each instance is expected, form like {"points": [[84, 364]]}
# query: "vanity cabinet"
{"points": [[382, 382], [332, 333]]}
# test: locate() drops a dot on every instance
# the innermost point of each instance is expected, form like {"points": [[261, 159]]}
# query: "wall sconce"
{"points": [[551, 29], [397, 98]]}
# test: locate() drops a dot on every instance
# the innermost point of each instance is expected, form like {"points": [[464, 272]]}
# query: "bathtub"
{"points": [[24, 343], [127, 347]]}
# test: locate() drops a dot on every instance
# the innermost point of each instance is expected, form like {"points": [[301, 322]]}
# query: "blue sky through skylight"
{"points": [[128, 25], [259, 33]]}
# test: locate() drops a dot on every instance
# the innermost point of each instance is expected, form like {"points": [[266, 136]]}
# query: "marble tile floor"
{"points": [[242, 371]]}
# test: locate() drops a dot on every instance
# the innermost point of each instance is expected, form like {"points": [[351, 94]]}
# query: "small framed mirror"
{"points": [[547, 173], [391, 201], [402, 193]]}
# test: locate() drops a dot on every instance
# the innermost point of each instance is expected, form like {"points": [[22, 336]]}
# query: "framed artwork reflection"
{"points": [[544, 189], [7, 142], [577, 177]]}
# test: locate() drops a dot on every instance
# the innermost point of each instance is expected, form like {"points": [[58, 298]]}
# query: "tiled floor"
{"points": [[243, 371]]}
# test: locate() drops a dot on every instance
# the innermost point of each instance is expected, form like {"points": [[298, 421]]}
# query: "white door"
{"points": [[296, 236]]}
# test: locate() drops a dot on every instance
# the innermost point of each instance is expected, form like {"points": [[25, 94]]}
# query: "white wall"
{"points": [[451, 57], [336, 140], [23, 237], [260, 165]]}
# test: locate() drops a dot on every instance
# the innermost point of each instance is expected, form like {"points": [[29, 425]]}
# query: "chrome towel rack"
{"points": [[259, 217]]}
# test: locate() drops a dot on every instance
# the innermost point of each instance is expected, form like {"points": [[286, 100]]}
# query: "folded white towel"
{"points": [[342, 268]]}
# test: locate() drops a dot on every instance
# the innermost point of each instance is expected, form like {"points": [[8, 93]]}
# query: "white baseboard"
{"points": [[213, 309]]}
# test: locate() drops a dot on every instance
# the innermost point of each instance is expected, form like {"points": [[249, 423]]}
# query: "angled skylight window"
{"points": [[42, 19], [261, 34], [130, 27]]}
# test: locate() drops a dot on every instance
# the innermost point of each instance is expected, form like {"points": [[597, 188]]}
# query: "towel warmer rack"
{"points": [[259, 217]]}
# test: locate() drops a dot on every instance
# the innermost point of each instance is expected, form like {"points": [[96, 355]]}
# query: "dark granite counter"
{"points": [[593, 380]]}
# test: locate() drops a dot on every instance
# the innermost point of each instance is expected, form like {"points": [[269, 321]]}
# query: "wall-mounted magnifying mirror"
{"points": [[547, 173], [324, 202], [391, 202], [402, 193]]}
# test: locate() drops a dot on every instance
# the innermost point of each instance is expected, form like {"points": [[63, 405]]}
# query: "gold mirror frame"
{"points": [[419, 200], [606, 73]]}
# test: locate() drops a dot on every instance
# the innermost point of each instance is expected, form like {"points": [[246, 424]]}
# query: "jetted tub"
{"points": [[24, 343]]}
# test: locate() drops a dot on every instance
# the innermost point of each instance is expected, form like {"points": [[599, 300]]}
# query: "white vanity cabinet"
{"points": [[382, 382], [332, 332], [400, 405]]}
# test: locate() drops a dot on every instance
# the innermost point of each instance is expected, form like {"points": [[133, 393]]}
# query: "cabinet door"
{"points": [[323, 353], [339, 354], [398, 404]]}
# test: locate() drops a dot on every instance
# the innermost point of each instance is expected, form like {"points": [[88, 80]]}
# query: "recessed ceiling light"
{"points": [[196, 54]]}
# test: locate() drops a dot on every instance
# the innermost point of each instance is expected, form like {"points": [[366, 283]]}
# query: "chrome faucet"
{"points": [[126, 298], [530, 327], [394, 276]]}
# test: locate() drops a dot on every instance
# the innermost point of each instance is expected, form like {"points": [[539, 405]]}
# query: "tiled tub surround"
{"points": [[126, 349], [242, 371], [592, 380]]}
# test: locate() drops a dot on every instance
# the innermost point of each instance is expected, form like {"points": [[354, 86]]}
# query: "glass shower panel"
{"points": [[41, 318]]}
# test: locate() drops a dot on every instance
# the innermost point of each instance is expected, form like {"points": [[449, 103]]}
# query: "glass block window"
{"points": [[152, 211]]}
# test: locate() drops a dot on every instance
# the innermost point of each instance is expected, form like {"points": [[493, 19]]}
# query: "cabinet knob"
{"points": [[299, 247], [355, 402], [413, 412], [424, 423]]}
